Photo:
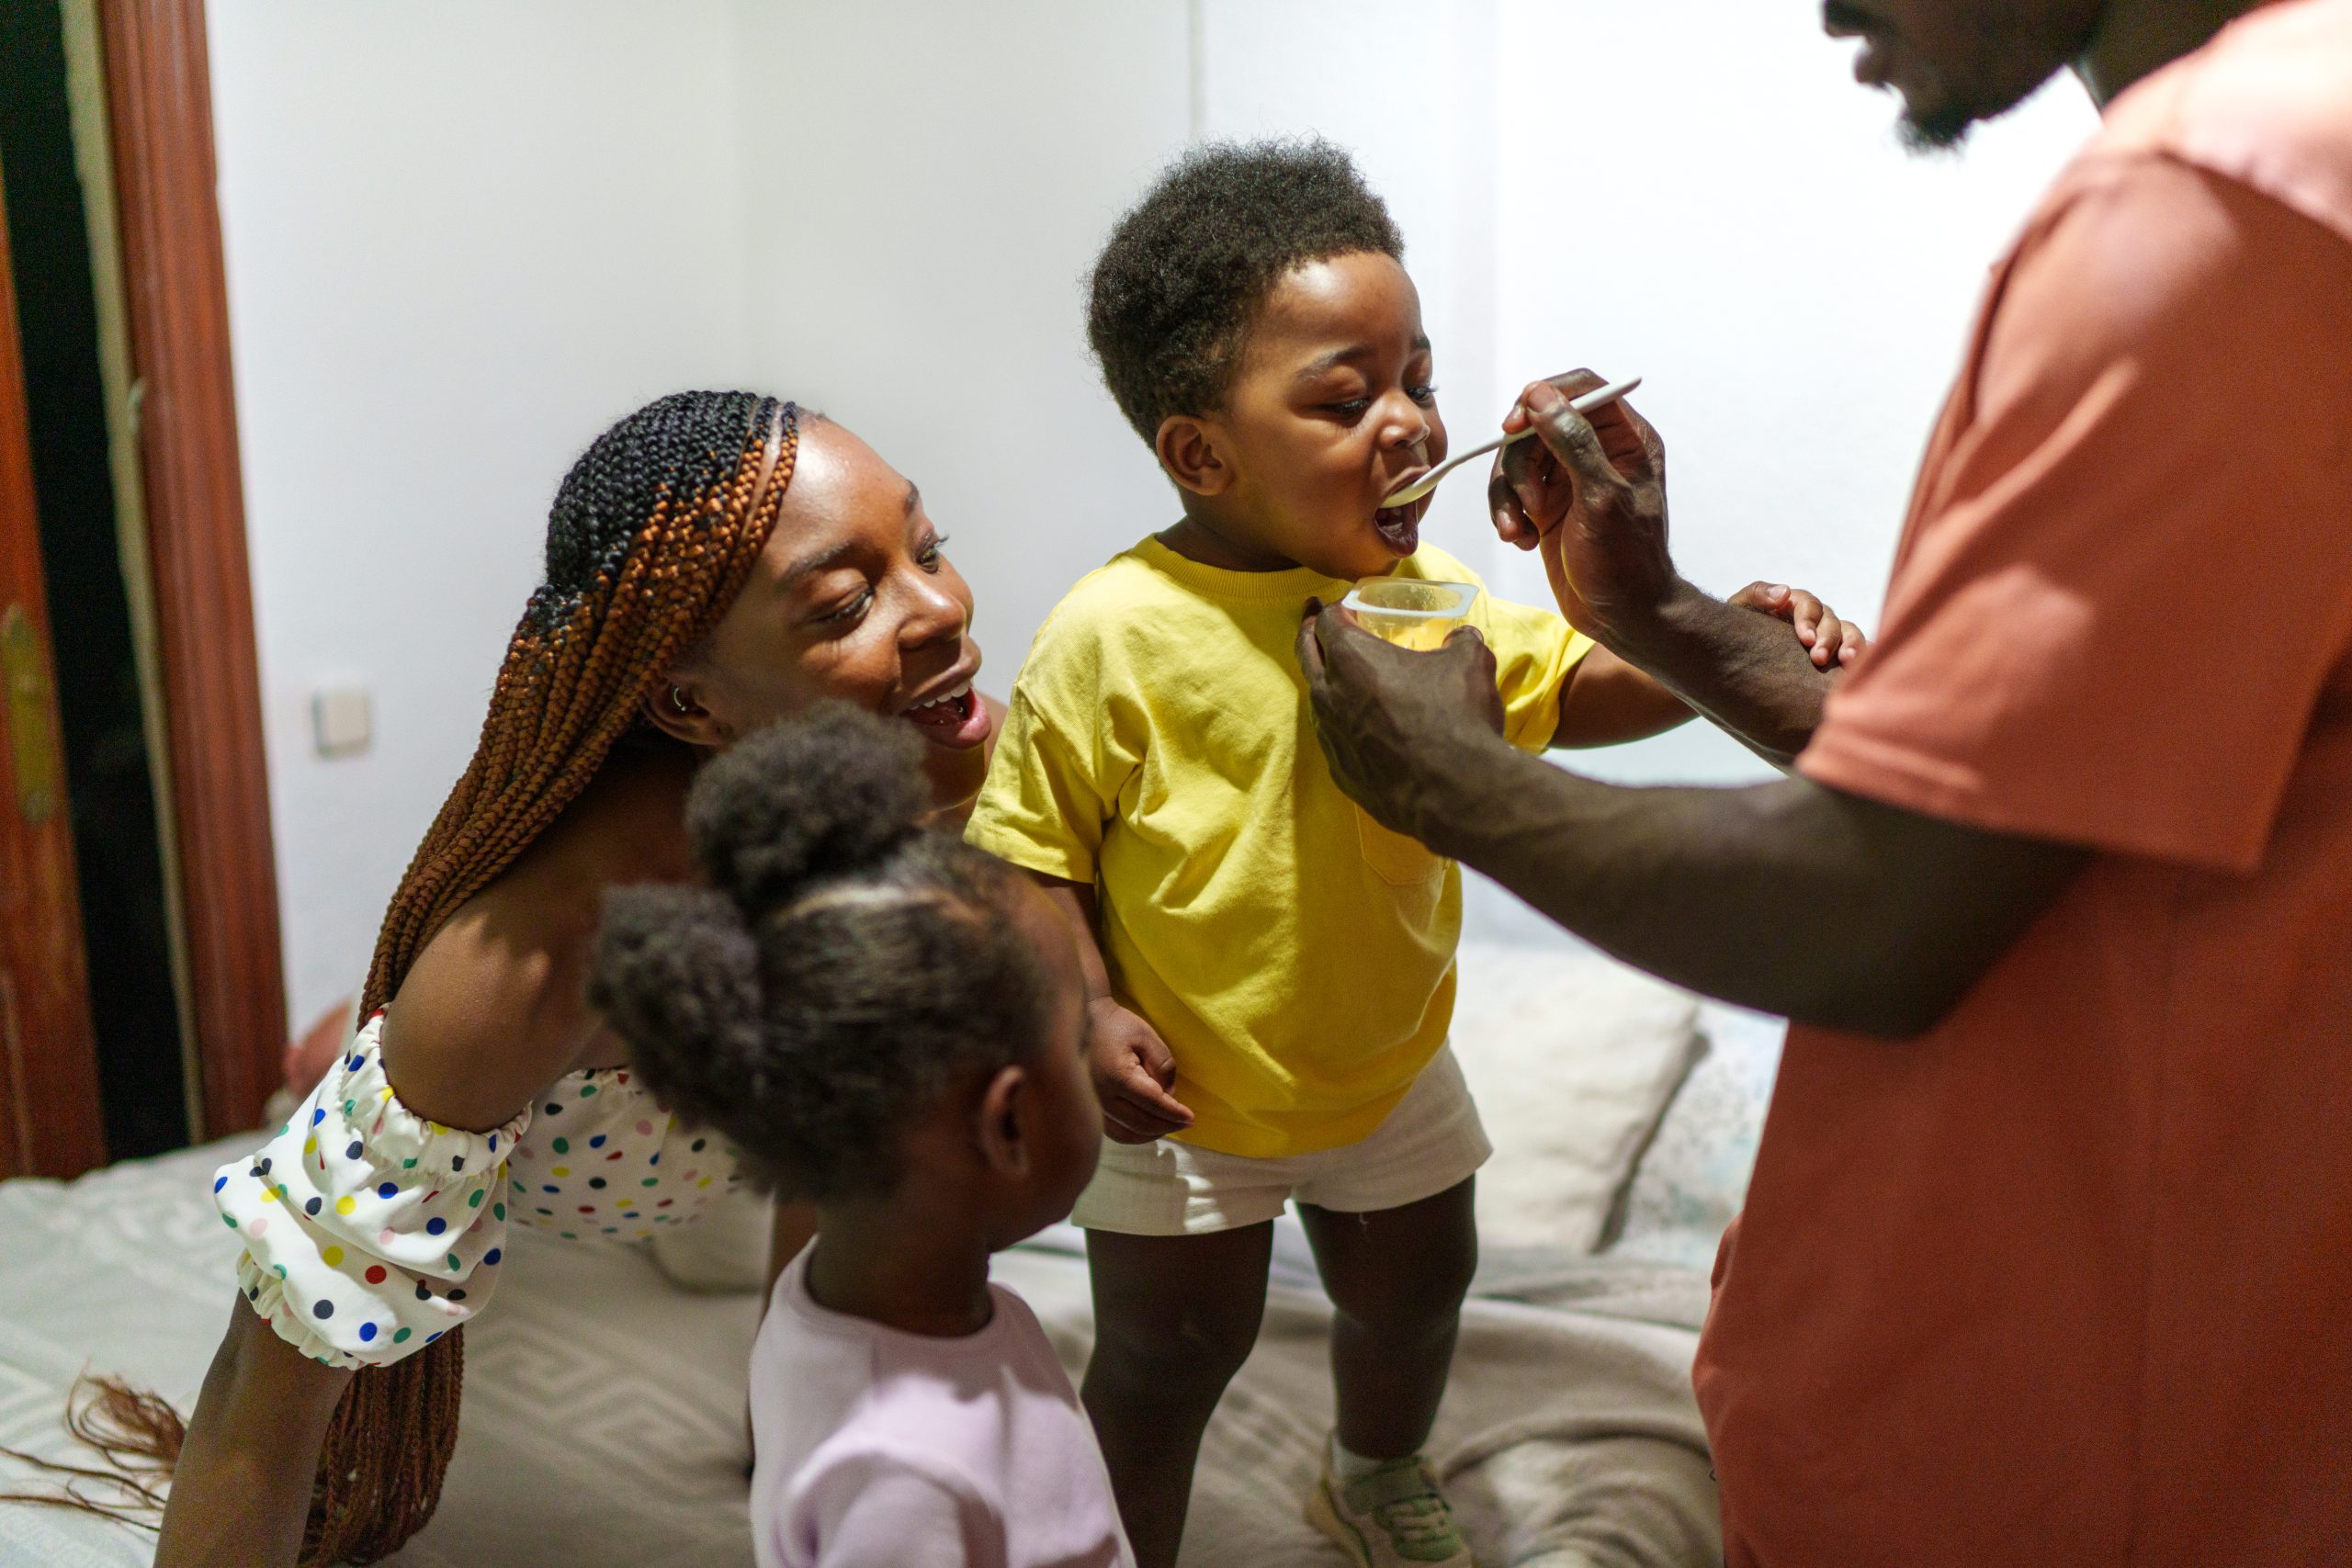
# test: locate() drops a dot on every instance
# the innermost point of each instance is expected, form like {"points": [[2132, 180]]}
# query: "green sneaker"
{"points": [[1394, 1517]]}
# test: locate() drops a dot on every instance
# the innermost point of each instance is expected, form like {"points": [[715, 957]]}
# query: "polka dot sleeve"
{"points": [[369, 1231]]}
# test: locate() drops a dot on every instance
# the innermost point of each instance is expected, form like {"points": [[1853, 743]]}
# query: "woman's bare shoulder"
{"points": [[493, 1011]]}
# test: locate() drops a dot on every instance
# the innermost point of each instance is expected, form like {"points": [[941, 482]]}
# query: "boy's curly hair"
{"points": [[844, 968], [1172, 296]]}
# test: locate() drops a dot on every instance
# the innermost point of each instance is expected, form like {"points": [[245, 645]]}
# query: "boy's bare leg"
{"points": [[1397, 1278], [1174, 1318]]}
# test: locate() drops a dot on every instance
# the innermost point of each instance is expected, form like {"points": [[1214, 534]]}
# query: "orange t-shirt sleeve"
{"points": [[2129, 569]]}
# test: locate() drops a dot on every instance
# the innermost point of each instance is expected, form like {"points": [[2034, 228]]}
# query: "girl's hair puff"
{"points": [[845, 967]]}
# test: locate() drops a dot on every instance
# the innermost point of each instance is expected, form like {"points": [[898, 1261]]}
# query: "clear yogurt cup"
{"points": [[1409, 611]]}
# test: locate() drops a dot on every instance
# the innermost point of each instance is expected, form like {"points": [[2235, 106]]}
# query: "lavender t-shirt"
{"points": [[879, 1449]]}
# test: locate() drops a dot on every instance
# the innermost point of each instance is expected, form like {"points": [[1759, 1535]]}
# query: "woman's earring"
{"points": [[677, 699]]}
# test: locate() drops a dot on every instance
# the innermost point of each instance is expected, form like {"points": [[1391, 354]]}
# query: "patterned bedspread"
{"points": [[604, 1414]]}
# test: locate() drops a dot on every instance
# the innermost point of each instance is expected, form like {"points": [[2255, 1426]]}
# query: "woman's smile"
{"points": [[955, 717]]}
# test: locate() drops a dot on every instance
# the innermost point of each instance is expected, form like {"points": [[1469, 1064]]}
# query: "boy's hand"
{"points": [[1836, 643], [1132, 1071]]}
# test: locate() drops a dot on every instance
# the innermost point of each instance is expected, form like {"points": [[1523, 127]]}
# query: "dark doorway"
{"points": [[109, 769]]}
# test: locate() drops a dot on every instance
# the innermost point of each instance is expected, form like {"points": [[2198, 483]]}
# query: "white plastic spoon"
{"points": [[1599, 397]]}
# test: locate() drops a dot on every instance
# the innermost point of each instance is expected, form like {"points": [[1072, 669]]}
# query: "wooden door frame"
{"points": [[159, 104], [50, 1124]]}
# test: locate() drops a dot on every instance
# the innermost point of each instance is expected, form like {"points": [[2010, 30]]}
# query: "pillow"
{"points": [[307, 1058], [1573, 1058], [1694, 1176], [726, 1250]]}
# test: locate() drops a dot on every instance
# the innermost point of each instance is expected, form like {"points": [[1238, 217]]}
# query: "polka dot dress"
{"points": [[369, 1231], [602, 1160]]}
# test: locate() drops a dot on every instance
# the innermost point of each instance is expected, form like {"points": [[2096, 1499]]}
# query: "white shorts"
{"points": [[1431, 1141]]}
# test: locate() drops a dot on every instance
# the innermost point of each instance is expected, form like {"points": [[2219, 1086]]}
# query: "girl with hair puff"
{"points": [[893, 1026]]}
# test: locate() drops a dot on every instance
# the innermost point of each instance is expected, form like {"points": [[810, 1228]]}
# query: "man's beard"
{"points": [[1940, 130], [1943, 126]]}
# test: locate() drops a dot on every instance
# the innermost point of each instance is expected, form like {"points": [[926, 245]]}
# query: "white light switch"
{"points": [[341, 722]]}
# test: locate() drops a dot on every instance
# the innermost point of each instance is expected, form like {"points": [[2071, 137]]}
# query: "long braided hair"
{"points": [[651, 536]]}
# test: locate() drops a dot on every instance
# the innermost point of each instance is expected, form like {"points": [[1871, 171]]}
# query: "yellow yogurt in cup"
{"points": [[1409, 612]]}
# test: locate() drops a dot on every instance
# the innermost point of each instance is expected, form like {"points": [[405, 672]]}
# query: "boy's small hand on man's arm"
{"points": [[1607, 700], [1835, 642], [1132, 1068]]}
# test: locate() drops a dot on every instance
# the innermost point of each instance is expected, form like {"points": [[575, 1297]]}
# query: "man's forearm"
{"points": [[1788, 896], [1740, 668], [1782, 896]]}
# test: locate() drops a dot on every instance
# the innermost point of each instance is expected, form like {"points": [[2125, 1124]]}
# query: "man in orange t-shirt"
{"points": [[2048, 1252]]}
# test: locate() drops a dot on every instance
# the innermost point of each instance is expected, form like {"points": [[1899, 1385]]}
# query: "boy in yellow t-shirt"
{"points": [[1273, 970]]}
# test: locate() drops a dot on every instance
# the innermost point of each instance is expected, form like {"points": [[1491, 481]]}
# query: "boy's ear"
{"points": [[1192, 454], [1003, 1145], [675, 708]]}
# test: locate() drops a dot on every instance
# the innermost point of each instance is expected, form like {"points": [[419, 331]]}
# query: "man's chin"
{"points": [[1927, 132], [1938, 119]]}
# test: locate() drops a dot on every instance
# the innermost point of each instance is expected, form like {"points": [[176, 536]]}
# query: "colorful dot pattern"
{"points": [[603, 1160], [368, 1243], [369, 1230]]}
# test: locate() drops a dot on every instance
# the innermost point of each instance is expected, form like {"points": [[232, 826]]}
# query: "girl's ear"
{"points": [[1003, 1141], [1191, 454], [675, 708]]}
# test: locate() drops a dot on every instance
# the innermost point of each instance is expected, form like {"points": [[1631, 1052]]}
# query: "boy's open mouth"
{"points": [[1401, 526], [955, 718]]}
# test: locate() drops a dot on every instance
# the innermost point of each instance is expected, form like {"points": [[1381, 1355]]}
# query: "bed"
{"points": [[604, 1418]]}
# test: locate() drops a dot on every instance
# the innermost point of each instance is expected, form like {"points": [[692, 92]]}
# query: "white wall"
{"points": [[463, 237]]}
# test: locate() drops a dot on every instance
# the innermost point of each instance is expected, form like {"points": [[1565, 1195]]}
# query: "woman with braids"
{"points": [[715, 561]]}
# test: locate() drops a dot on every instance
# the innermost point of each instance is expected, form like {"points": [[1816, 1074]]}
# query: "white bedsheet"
{"points": [[604, 1407]]}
